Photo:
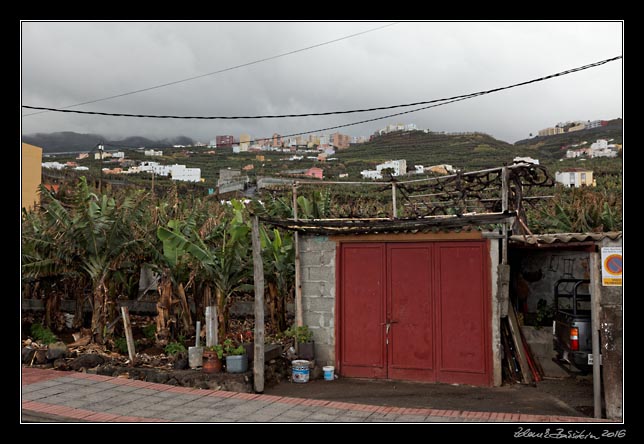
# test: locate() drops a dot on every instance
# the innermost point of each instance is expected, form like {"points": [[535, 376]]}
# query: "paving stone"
{"points": [[382, 417], [411, 418]]}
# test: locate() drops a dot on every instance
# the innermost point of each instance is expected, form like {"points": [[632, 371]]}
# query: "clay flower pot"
{"points": [[211, 362]]}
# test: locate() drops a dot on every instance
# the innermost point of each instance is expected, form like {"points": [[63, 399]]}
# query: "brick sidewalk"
{"points": [[92, 398]]}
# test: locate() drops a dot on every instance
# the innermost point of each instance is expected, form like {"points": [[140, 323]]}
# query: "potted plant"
{"points": [[303, 337], [212, 357], [236, 357]]}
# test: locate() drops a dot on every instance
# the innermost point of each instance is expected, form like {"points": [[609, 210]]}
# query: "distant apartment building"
{"points": [[578, 127], [371, 174], [244, 142], [340, 141], [82, 156], [153, 153], [31, 168], [572, 154], [596, 124], [359, 139], [575, 178], [397, 127], [212, 143], [277, 140], [118, 155], [551, 131], [184, 174], [600, 148], [323, 141], [106, 155], [224, 141], [397, 167]]}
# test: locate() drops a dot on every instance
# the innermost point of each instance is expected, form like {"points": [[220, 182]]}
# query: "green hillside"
{"points": [[472, 151], [465, 151], [554, 147]]}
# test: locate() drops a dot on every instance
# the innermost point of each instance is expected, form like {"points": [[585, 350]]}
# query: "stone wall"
{"points": [[317, 264]]}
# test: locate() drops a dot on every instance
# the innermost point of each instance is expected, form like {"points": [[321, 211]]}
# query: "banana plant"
{"points": [[279, 272], [221, 256], [89, 237]]}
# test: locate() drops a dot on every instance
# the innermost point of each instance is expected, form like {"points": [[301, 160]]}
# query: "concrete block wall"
{"points": [[317, 264]]}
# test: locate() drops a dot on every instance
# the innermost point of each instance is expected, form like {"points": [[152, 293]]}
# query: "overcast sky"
{"points": [[71, 62]]}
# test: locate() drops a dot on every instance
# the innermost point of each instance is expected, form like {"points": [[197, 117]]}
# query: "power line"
{"points": [[328, 113], [129, 93]]}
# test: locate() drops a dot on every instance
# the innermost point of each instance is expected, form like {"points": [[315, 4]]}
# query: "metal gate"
{"points": [[414, 311]]}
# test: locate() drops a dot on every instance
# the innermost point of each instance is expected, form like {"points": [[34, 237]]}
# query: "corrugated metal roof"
{"points": [[378, 225], [535, 239]]}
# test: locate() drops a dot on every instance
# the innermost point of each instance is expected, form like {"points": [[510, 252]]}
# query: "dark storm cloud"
{"points": [[71, 62]]}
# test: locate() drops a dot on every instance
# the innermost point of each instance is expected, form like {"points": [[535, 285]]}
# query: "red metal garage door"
{"points": [[415, 311]]}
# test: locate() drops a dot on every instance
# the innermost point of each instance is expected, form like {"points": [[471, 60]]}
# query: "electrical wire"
{"points": [[459, 98], [328, 113], [265, 59]]}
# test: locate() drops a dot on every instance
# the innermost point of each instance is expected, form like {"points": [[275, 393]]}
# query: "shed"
{"points": [[537, 262], [404, 299]]}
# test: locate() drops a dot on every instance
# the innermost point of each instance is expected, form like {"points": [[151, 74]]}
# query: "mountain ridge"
{"points": [[70, 141]]}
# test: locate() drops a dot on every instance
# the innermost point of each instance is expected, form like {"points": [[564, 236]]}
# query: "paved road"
{"points": [[53, 396]]}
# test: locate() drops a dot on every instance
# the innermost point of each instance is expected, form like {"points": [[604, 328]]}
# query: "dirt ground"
{"points": [[571, 396]]}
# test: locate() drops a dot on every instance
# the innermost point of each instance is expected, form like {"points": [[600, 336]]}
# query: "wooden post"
{"points": [[595, 277], [258, 275], [393, 200], [299, 318], [211, 326], [518, 346], [125, 312], [504, 208]]}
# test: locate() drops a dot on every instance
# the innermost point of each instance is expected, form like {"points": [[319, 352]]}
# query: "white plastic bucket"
{"points": [[328, 372], [300, 371]]}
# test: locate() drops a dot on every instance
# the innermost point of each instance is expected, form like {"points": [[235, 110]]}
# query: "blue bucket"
{"points": [[328, 372], [300, 371]]}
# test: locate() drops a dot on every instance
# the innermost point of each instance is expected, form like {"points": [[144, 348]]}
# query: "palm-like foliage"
{"points": [[279, 270], [219, 253], [579, 210], [89, 237]]}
